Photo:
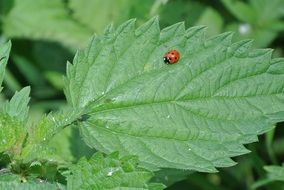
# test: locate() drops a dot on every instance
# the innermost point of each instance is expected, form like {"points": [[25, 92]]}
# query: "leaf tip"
{"points": [[194, 30]]}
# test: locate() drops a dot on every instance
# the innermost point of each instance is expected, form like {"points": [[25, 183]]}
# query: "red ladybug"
{"points": [[171, 57]]}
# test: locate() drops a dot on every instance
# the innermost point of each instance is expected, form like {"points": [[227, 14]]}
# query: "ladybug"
{"points": [[171, 57]]}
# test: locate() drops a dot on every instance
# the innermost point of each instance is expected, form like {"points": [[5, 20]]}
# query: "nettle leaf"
{"points": [[4, 55], [17, 107], [267, 10], [192, 115], [110, 172], [14, 182], [171, 176], [13, 113], [256, 11], [275, 173], [26, 16], [10, 134], [241, 10], [40, 135], [261, 19]]}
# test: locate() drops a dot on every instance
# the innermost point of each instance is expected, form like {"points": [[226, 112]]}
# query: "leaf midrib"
{"points": [[176, 102]]}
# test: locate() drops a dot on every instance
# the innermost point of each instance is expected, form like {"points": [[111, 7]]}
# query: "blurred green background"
{"points": [[46, 34]]}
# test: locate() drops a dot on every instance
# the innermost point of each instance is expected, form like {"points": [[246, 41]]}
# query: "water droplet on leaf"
{"points": [[244, 29]]}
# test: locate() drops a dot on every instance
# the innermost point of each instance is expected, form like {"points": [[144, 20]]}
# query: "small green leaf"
{"points": [[4, 54], [192, 115], [275, 173], [17, 107], [109, 172], [10, 132], [39, 136], [13, 113]]}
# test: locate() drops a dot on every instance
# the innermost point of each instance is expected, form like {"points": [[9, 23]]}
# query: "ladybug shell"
{"points": [[171, 57]]}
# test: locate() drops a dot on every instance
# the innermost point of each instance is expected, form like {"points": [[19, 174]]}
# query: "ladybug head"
{"points": [[166, 60]]}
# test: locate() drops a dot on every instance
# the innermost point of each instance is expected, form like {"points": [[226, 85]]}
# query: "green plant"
{"points": [[194, 115], [258, 19]]}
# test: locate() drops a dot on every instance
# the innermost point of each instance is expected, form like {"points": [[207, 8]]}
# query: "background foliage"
{"points": [[46, 33]]}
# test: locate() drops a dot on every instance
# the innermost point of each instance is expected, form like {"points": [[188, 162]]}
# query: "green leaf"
{"points": [[156, 6], [55, 78], [11, 82], [48, 20], [260, 19], [192, 115], [267, 10], [88, 13], [213, 20], [29, 70], [4, 54], [241, 10], [262, 36], [109, 172], [96, 14], [10, 132], [39, 136], [14, 182], [275, 173], [69, 145], [189, 12], [171, 176], [17, 107], [13, 113]]}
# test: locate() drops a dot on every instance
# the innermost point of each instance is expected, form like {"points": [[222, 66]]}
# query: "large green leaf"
{"points": [[193, 115], [110, 172], [41, 19]]}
